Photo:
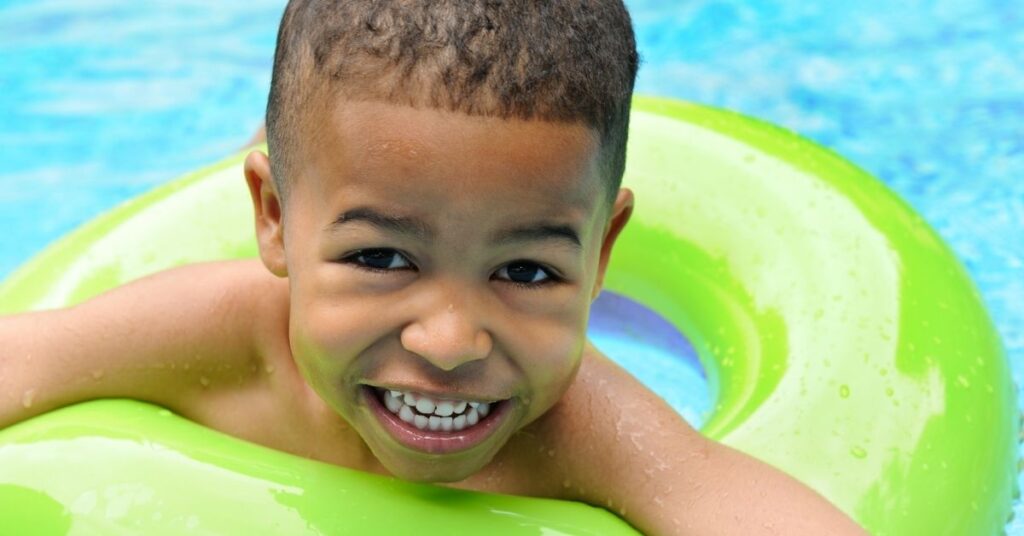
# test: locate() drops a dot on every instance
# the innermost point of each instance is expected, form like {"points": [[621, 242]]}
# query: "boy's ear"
{"points": [[620, 213], [267, 207]]}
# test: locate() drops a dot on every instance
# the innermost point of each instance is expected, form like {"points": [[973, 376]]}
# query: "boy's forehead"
{"points": [[410, 149]]}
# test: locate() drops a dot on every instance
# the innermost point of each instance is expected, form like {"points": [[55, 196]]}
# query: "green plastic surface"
{"points": [[844, 342]]}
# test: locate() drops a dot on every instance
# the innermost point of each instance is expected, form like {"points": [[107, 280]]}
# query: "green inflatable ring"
{"points": [[844, 343]]}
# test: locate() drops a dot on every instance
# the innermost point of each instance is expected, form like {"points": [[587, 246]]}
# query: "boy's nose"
{"points": [[447, 337]]}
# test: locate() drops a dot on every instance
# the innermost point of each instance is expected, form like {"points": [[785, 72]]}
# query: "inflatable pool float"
{"points": [[843, 341]]}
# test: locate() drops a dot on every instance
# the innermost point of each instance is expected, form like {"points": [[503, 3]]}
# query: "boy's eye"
{"points": [[524, 272], [380, 259]]}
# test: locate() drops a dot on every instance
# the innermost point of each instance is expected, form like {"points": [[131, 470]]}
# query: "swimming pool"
{"points": [[105, 100]]}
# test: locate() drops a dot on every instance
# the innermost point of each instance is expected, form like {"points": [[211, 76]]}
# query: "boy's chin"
{"points": [[432, 469]]}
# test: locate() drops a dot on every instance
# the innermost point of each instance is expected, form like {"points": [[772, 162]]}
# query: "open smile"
{"points": [[435, 425]]}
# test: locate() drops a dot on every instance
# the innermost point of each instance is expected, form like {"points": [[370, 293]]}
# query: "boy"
{"points": [[437, 218]]}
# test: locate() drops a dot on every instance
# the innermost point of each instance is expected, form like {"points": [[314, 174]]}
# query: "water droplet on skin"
{"points": [[566, 484], [844, 391], [204, 381], [97, 374], [269, 369], [27, 397]]}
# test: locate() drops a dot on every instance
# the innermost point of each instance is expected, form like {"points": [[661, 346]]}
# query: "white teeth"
{"points": [[444, 408], [425, 405], [425, 412]]}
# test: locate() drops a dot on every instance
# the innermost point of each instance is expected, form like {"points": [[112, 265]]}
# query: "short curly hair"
{"points": [[553, 60]]}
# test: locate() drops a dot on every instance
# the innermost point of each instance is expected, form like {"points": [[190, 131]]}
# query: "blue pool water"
{"points": [[102, 100]]}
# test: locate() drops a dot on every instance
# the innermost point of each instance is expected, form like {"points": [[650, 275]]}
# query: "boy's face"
{"points": [[438, 254]]}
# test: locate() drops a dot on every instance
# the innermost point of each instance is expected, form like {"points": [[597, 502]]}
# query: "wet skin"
{"points": [[439, 253]]}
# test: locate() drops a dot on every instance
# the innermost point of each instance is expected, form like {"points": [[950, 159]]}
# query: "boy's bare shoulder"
{"points": [[613, 432], [171, 338]]}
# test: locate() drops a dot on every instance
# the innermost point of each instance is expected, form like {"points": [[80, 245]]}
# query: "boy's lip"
{"points": [[431, 441]]}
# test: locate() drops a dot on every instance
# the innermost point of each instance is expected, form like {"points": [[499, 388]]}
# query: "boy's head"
{"points": [[443, 197]]}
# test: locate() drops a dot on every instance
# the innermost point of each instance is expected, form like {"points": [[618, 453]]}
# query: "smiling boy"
{"points": [[434, 223]]}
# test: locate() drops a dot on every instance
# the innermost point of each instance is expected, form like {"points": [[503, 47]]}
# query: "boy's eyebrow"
{"points": [[419, 229], [543, 231], [396, 224]]}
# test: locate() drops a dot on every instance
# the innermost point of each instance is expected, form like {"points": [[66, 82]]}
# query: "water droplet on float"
{"points": [[963, 381], [858, 452], [844, 391], [27, 398]]}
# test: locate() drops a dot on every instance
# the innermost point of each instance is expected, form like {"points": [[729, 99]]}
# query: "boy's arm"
{"points": [[637, 457], [173, 338]]}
